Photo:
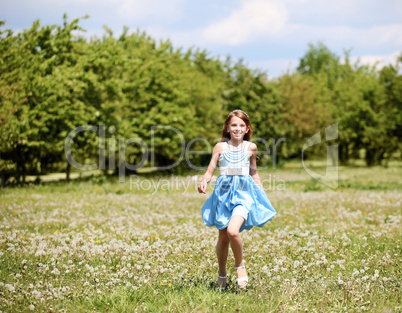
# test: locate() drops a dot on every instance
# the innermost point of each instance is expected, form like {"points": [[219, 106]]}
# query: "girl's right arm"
{"points": [[211, 168]]}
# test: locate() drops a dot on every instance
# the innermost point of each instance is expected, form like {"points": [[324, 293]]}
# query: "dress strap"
{"points": [[225, 146], [246, 144]]}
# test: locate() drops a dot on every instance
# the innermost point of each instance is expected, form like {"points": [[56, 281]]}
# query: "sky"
{"points": [[269, 35]]}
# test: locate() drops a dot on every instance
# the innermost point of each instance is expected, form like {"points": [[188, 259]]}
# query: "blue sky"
{"points": [[268, 34]]}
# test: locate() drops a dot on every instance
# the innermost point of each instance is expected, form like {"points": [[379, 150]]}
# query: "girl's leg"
{"points": [[222, 249], [233, 231]]}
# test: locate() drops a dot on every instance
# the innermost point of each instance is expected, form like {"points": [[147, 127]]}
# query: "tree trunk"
{"points": [[374, 157], [343, 153], [105, 171], [24, 173], [68, 170]]}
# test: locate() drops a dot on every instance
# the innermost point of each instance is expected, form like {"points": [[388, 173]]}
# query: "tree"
{"points": [[46, 100], [318, 58], [391, 80]]}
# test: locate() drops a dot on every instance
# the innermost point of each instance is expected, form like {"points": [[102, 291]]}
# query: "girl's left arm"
{"points": [[253, 165]]}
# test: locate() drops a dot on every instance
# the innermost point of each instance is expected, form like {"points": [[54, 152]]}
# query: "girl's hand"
{"points": [[203, 186]]}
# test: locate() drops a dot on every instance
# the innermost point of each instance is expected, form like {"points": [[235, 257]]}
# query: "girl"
{"points": [[238, 201]]}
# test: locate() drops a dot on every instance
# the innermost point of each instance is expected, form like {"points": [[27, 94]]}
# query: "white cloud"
{"points": [[341, 36], [247, 23], [373, 36], [378, 61], [259, 21]]}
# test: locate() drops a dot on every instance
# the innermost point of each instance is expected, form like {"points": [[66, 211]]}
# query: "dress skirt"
{"points": [[231, 191]]}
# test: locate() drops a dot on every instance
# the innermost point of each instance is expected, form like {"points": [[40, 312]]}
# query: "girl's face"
{"points": [[237, 128]]}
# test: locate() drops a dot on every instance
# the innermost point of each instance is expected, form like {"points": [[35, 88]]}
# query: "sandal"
{"points": [[220, 287], [242, 279]]}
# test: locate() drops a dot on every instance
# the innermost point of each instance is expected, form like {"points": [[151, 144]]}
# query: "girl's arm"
{"points": [[211, 168], [253, 165]]}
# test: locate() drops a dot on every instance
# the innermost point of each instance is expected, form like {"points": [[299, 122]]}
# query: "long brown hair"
{"points": [[240, 114]]}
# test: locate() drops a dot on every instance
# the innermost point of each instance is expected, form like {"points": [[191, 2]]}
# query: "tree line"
{"points": [[53, 81]]}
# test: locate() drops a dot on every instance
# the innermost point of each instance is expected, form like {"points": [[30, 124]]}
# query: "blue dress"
{"points": [[234, 187]]}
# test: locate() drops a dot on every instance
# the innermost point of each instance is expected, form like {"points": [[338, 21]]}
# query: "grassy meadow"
{"points": [[96, 245]]}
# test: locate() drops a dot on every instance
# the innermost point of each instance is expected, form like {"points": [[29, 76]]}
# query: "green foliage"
{"points": [[303, 108], [365, 104], [42, 96], [52, 82], [318, 58]]}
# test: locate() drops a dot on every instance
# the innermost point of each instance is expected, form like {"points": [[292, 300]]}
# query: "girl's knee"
{"points": [[234, 226], [232, 232], [223, 236], [223, 240]]}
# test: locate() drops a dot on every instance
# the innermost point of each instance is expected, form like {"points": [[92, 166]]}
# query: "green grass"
{"points": [[96, 245]]}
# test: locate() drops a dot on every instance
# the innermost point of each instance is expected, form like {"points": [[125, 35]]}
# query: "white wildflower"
{"points": [[55, 271], [12, 289]]}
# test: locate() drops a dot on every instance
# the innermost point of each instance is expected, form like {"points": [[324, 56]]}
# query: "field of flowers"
{"points": [[97, 245]]}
